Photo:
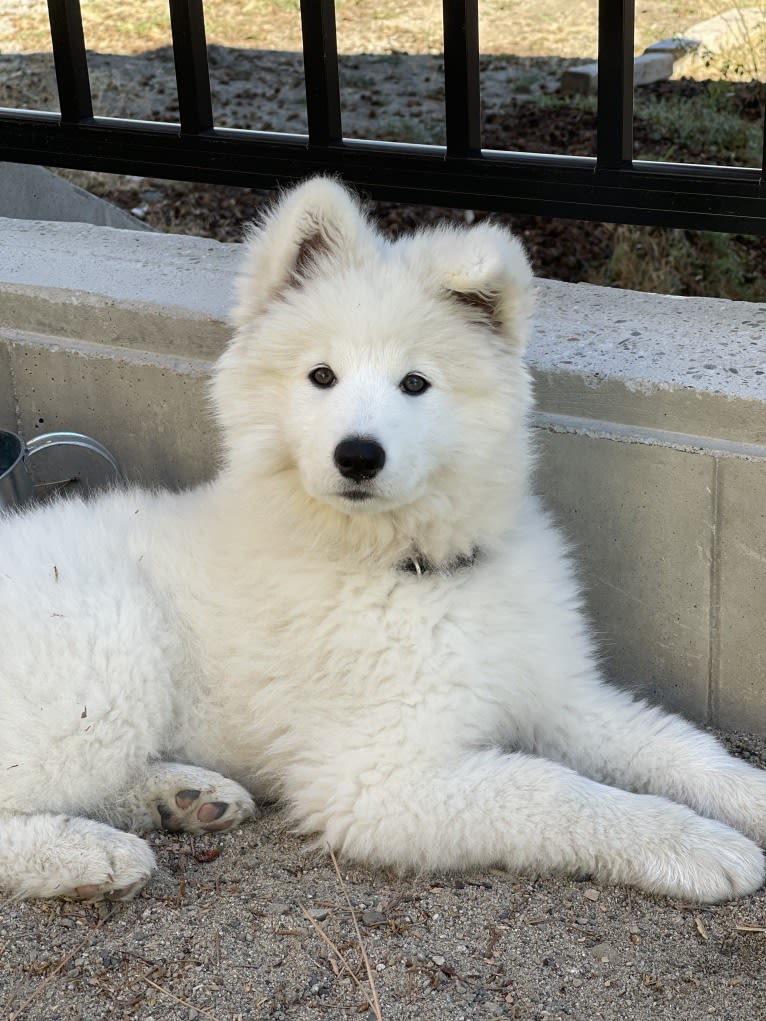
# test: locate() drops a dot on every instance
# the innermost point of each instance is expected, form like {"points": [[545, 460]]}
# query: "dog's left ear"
{"points": [[485, 270], [318, 224]]}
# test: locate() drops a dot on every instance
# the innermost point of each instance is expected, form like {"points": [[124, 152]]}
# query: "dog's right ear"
{"points": [[318, 222]]}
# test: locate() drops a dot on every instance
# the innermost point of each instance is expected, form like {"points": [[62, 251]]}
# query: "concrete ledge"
{"points": [[650, 420], [34, 193], [702, 45]]}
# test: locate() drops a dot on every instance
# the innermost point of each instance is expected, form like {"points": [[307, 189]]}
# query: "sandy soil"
{"points": [[251, 925]]}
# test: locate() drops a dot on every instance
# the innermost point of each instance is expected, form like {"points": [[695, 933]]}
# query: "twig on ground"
{"points": [[345, 966], [368, 968], [700, 926], [49, 978], [372, 995], [179, 999]]}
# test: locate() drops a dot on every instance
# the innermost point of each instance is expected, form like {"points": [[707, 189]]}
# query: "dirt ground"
{"points": [[557, 28], [250, 924]]}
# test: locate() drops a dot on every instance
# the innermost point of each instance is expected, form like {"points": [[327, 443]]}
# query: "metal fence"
{"points": [[611, 186]]}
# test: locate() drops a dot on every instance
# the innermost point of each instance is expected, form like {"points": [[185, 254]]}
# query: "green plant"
{"points": [[706, 123], [684, 262]]}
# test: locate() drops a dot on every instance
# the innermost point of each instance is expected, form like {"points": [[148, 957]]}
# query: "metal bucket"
{"points": [[16, 485]]}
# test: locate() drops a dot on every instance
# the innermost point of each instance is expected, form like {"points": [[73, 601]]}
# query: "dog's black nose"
{"points": [[359, 458]]}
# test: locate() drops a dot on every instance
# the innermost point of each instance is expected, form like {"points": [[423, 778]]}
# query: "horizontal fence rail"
{"points": [[611, 186]]}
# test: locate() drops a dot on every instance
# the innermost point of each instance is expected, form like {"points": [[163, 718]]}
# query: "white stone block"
{"points": [[652, 67], [649, 67]]}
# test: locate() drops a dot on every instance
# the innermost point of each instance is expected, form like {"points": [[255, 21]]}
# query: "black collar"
{"points": [[419, 564]]}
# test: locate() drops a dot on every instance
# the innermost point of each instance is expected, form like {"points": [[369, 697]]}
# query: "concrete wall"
{"points": [[650, 421], [34, 193]]}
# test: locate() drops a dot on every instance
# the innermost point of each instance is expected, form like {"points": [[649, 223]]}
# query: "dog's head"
{"points": [[379, 374]]}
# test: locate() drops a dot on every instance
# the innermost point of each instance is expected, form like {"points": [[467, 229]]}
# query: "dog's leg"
{"points": [[606, 734], [68, 856], [174, 796], [527, 813]]}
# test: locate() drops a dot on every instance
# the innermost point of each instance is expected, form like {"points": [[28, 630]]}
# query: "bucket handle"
{"points": [[66, 439]]}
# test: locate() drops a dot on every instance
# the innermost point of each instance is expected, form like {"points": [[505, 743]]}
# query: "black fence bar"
{"points": [[320, 64], [195, 106], [614, 125], [72, 77], [462, 97], [661, 194]]}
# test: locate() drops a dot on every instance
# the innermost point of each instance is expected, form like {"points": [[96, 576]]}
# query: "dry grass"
{"points": [[563, 28], [694, 263]]}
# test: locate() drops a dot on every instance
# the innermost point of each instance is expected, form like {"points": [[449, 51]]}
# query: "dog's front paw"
{"points": [[707, 862], [741, 802], [195, 800], [78, 859]]}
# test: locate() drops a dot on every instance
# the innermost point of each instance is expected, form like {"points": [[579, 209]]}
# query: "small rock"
{"points": [[373, 917], [605, 953], [438, 961], [591, 894]]}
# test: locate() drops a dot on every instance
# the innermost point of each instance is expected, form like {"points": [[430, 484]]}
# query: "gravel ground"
{"points": [[252, 925], [396, 96]]}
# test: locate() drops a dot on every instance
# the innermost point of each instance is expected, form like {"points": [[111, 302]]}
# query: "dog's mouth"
{"points": [[356, 495]]}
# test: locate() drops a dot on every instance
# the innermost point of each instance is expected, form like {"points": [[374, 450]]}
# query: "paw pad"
{"points": [[212, 811], [198, 811], [91, 892], [185, 799]]}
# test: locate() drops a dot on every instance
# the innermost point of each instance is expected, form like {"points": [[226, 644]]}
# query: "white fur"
{"points": [[262, 627]]}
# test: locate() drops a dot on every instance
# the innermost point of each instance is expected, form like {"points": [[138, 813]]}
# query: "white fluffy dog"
{"points": [[366, 615]]}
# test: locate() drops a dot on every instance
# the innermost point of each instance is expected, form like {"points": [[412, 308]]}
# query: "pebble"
{"points": [[605, 953], [373, 917], [277, 908]]}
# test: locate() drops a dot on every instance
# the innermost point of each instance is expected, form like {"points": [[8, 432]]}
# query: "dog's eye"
{"points": [[413, 383], [323, 376]]}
